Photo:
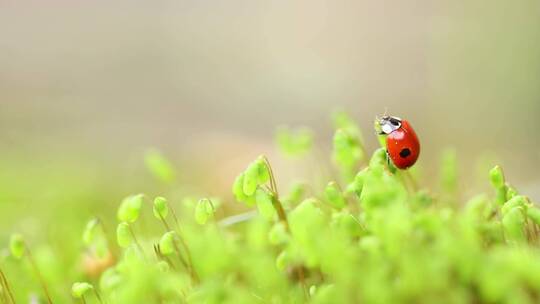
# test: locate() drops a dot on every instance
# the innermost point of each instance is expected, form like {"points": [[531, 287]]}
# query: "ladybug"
{"points": [[402, 144]]}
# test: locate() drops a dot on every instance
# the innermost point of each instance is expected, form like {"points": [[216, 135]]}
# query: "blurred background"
{"points": [[86, 87]]}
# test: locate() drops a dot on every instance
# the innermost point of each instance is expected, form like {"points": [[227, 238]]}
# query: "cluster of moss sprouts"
{"points": [[373, 234]]}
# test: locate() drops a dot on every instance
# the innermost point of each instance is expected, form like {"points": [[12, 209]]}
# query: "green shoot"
{"points": [[20, 249], [159, 166]]}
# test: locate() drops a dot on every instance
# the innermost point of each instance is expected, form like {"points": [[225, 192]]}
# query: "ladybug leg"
{"points": [[387, 158]]}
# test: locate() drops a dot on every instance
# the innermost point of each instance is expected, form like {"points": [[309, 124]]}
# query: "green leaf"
{"points": [[278, 234], [513, 223], [17, 246], [516, 201], [203, 211], [283, 260], [346, 222], [357, 184], [378, 159], [90, 231], [476, 207], [312, 290], [334, 196], [166, 243], [294, 142], [78, 289], [347, 152], [245, 184], [296, 192], [534, 214], [160, 209], [251, 179], [264, 203], [511, 192], [307, 222], [496, 176], [238, 188], [130, 208], [123, 235], [159, 166], [163, 266], [263, 172]]}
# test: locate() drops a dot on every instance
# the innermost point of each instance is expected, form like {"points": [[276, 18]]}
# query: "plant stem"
{"points": [[412, 180], [301, 277], [162, 257], [5, 298], [283, 218], [136, 241], [169, 262], [189, 263], [6, 285], [193, 273], [183, 242], [272, 178], [174, 216], [97, 295], [238, 218], [280, 211], [38, 273], [110, 242], [275, 195], [167, 229]]}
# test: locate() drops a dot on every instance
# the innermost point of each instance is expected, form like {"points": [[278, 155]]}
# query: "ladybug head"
{"points": [[389, 124]]}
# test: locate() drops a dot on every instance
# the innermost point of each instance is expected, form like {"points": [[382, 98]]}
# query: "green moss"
{"points": [[369, 237]]}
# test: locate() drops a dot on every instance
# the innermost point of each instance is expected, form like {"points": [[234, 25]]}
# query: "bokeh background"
{"points": [[86, 87]]}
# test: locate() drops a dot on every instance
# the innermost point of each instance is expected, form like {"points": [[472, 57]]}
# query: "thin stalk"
{"points": [[238, 218], [410, 179], [167, 229], [216, 222], [110, 242], [283, 217], [275, 195], [348, 199], [136, 241], [171, 264], [38, 273], [176, 221], [301, 277], [83, 299], [6, 285], [182, 240], [97, 295], [280, 212], [162, 257], [413, 181], [5, 298], [189, 263], [272, 178], [194, 275], [526, 228]]}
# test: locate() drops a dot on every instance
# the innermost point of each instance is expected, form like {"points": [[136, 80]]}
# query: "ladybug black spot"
{"points": [[404, 153]]}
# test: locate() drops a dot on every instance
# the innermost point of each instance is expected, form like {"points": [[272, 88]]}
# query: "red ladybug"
{"points": [[402, 144]]}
